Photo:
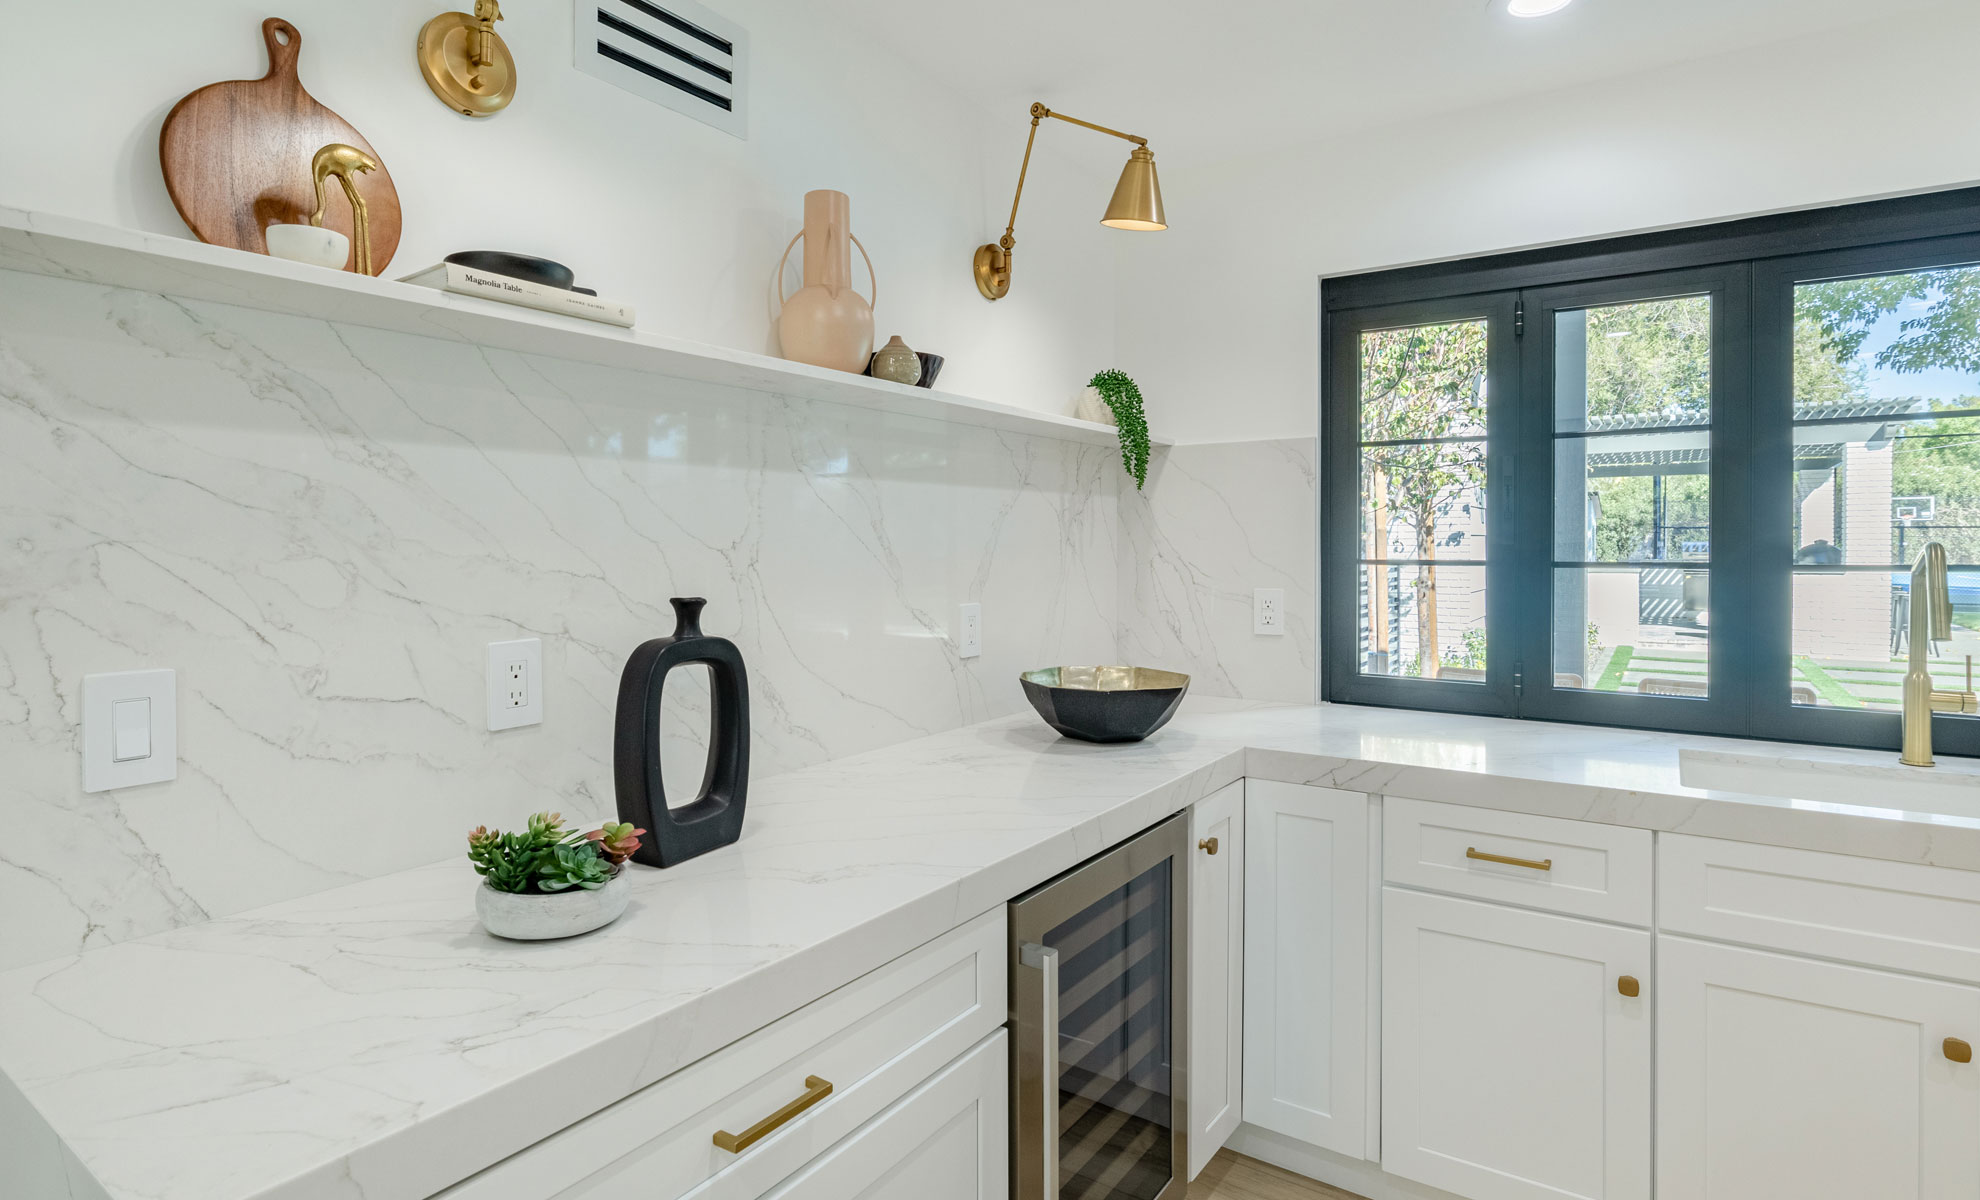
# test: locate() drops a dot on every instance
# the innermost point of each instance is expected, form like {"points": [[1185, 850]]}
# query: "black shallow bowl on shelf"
{"points": [[516, 266], [1105, 704]]}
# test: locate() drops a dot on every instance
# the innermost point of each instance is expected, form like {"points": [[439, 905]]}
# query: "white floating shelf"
{"points": [[44, 244]]}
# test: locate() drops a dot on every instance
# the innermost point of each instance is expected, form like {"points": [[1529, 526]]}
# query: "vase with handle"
{"points": [[826, 323]]}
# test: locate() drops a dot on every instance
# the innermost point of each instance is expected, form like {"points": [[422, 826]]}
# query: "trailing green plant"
{"points": [[544, 858], [1123, 398]]}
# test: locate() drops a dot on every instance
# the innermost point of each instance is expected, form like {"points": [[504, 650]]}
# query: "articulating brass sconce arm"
{"points": [[993, 261]]}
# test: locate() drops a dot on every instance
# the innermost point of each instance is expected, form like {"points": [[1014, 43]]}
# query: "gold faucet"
{"points": [[1931, 621], [346, 162]]}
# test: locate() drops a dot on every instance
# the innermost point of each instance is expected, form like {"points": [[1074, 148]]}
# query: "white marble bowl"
{"points": [[527, 918], [309, 244]]}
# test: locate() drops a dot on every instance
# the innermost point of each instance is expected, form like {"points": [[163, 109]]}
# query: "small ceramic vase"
{"points": [[826, 323], [528, 918], [931, 366], [897, 363], [1088, 406]]}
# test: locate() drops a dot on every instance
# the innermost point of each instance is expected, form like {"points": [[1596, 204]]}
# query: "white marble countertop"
{"points": [[372, 1043]]}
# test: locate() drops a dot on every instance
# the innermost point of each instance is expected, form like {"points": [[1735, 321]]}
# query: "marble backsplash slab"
{"points": [[320, 526], [1215, 521]]}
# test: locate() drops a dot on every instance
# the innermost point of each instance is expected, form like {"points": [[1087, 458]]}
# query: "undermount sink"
{"points": [[1952, 789]]}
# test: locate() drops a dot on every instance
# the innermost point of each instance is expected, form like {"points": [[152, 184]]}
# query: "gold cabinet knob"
{"points": [[1628, 986], [1207, 845], [1958, 1051]]}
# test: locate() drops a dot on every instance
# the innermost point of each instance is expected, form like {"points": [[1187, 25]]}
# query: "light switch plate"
{"points": [[1268, 612], [969, 632], [130, 728], [515, 683]]}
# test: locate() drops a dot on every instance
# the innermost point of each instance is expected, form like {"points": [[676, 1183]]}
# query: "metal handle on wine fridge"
{"points": [[1045, 960]]}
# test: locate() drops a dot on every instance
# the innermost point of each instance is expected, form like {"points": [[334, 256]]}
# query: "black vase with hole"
{"points": [[713, 819]]}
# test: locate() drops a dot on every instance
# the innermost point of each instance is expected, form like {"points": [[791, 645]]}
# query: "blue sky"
{"points": [[1936, 384]]}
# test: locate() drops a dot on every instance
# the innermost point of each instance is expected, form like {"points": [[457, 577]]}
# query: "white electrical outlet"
{"points": [[1268, 611], [969, 635], [515, 683]]}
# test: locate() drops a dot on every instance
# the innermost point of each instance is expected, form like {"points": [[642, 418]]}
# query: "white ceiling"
{"points": [[1208, 79]]}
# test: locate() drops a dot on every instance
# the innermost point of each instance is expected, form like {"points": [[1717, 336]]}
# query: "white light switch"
{"points": [[130, 728]]}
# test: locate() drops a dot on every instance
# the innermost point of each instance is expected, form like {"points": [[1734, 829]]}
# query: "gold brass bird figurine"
{"points": [[346, 163]]}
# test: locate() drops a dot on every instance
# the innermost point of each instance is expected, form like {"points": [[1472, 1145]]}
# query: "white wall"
{"points": [[1219, 317], [682, 220], [1214, 523], [320, 526]]}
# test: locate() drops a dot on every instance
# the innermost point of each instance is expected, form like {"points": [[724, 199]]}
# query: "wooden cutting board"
{"points": [[237, 158]]}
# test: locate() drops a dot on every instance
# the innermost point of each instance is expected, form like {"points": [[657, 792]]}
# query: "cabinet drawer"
{"points": [[1866, 910], [1590, 870], [874, 1040], [949, 1139]]}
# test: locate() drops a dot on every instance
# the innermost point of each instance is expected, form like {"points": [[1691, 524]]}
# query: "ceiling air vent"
{"points": [[675, 53]]}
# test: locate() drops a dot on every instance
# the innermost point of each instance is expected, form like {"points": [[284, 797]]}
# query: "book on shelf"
{"points": [[473, 281]]}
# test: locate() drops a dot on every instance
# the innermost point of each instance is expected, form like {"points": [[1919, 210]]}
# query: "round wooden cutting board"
{"points": [[237, 158]]}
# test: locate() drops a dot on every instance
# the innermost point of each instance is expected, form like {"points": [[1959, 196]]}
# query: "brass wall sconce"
{"points": [[345, 162], [1137, 203], [466, 63]]}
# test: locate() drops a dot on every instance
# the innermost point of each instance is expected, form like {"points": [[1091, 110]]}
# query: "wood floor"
{"points": [[1235, 1177]]}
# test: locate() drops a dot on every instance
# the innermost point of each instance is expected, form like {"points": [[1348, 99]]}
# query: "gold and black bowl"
{"points": [[1105, 704]]}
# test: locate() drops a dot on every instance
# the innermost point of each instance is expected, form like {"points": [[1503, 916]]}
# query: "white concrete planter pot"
{"points": [[528, 918], [1088, 406]]}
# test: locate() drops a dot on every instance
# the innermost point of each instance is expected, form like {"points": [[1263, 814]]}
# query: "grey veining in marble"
{"points": [[372, 1043], [320, 525], [1213, 523]]}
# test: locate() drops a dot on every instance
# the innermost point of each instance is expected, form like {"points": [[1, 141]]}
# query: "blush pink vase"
{"points": [[826, 323]]}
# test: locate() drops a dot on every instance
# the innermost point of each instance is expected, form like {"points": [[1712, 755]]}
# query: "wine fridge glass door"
{"points": [[1097, 987]]}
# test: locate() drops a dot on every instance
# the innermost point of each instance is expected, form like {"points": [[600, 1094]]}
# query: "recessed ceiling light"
{"points": [[1535, 8]]}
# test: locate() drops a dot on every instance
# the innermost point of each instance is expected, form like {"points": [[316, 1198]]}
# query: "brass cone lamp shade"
{"points": [[1137, 202]]}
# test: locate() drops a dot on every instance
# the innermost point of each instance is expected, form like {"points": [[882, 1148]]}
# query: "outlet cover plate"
{"points": [[969, 632], [1268, 612], [515, 683]]}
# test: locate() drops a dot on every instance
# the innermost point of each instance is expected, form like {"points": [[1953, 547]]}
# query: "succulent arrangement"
{"points": [[544, 858]]}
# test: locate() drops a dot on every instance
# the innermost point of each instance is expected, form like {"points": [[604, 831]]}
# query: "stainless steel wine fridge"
{"points": [[1098, 1021]]}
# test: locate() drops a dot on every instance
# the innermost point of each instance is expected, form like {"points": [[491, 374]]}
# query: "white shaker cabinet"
{"points": [[1785, 1078], [1306, 978], [1514, 1067], [1216, 972], [946, 1140]]}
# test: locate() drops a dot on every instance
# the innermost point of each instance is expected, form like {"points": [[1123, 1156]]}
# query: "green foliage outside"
{"points": [[1652, 361], [1425, 382]]}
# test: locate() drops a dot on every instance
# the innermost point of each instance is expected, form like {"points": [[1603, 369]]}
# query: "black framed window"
{"points": [[1672, 481]]}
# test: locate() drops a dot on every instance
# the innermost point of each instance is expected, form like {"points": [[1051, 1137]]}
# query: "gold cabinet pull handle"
{"points": [[1532, 864], [1628, 986], [1958, 1051], [1207, 845], [815, 1089]]}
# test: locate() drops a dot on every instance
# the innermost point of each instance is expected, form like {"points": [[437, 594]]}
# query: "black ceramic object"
{"points": [[676, 833], [525, 267], [931, 366], [1105, 704]]}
